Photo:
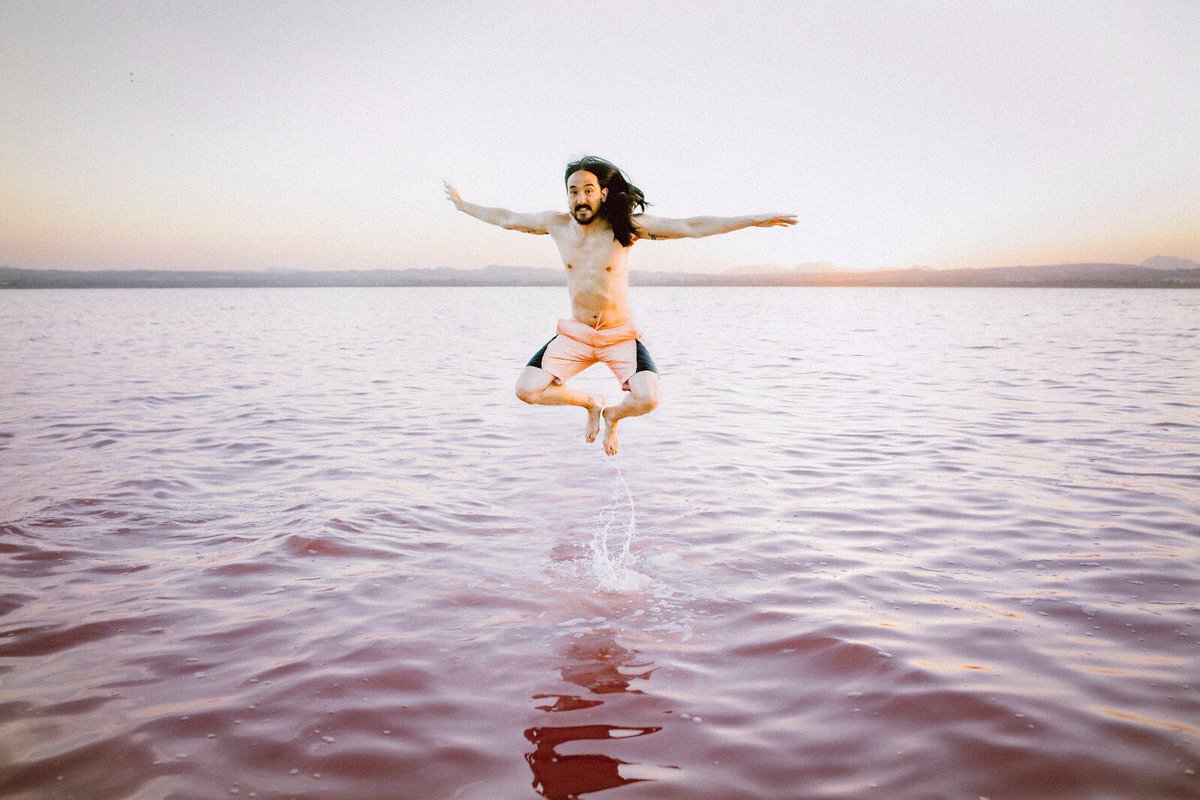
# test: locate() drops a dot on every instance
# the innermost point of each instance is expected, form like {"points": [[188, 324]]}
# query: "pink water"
{"points": [[874, 544]]}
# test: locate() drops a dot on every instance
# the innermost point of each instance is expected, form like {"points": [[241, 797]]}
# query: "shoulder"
{"points": [[553, 221], [539, 222]]}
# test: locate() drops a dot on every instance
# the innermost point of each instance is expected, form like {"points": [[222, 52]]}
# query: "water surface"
{"points": [[875, 543]]}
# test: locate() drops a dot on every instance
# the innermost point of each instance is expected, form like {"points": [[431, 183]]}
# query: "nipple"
{"points": [[608, 269], [568, 266]]}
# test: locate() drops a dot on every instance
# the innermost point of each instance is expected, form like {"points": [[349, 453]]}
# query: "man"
{"points": [[594, 240]]}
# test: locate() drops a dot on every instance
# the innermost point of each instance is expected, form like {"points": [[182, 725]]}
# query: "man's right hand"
{"points": [[502, 217]]}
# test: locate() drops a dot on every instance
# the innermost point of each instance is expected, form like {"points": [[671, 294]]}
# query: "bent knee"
{"points": [[526, 394], [647, 399]]}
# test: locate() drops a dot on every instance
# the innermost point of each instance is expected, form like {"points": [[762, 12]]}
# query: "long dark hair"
{"points": [[623, 197]]}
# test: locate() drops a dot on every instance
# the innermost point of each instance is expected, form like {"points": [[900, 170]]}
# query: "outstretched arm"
{"points": [[509, 220], [653, 227]]}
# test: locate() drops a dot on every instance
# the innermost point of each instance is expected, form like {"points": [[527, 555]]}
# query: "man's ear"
{"points": [[603, 195]]}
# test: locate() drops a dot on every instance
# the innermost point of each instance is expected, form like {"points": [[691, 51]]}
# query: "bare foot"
{"points": [[610, 433], [593, 423]]}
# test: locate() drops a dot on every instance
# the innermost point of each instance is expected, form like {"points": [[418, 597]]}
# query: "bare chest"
{"points": [[591, 259], [584, 253]]}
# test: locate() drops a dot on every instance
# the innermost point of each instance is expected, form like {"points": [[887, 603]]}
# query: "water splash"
{"points": [[616, 527]]}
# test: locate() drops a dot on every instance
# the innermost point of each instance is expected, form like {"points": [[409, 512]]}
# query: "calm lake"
{"points": [[875, 543]]}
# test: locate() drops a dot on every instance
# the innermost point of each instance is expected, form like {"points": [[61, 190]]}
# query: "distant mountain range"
{"points": [[1156, 272]]}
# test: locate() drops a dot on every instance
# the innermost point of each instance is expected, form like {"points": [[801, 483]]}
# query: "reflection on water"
{"points": [[596, 663], [600, 665], [562, 777]]}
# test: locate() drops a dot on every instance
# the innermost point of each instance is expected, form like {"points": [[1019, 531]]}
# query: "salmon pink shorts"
{"points": [[577, 346]]}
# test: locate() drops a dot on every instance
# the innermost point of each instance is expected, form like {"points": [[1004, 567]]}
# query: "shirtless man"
{"points": [[594, 240]]}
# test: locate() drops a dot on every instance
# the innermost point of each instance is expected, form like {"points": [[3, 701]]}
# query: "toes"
{"points": [[593, 426]]}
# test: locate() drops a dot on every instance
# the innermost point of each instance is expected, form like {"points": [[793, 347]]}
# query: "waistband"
{"points": [[597, 337]]}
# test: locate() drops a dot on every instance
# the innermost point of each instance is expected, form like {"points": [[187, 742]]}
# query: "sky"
{"points": [[214, 135]]}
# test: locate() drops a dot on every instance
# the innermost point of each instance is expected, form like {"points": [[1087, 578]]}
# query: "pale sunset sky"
{"points": [[263, 135]]}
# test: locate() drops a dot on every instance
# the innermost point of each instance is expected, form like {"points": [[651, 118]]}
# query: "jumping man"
{"points": [[594, 241]]}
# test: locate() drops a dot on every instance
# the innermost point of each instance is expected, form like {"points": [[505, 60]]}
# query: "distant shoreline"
{"points": [[1060, 276]]}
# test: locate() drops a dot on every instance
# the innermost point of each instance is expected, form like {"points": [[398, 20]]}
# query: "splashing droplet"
{"points": [[612, 559]]}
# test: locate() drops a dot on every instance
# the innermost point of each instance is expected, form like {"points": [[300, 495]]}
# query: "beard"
{"points": [[585, 214]]}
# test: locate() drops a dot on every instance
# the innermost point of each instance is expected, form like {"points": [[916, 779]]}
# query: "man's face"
{"points": [[584, 196]]}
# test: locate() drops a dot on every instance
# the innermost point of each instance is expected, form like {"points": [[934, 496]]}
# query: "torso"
{"points": [[597, 271]]}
